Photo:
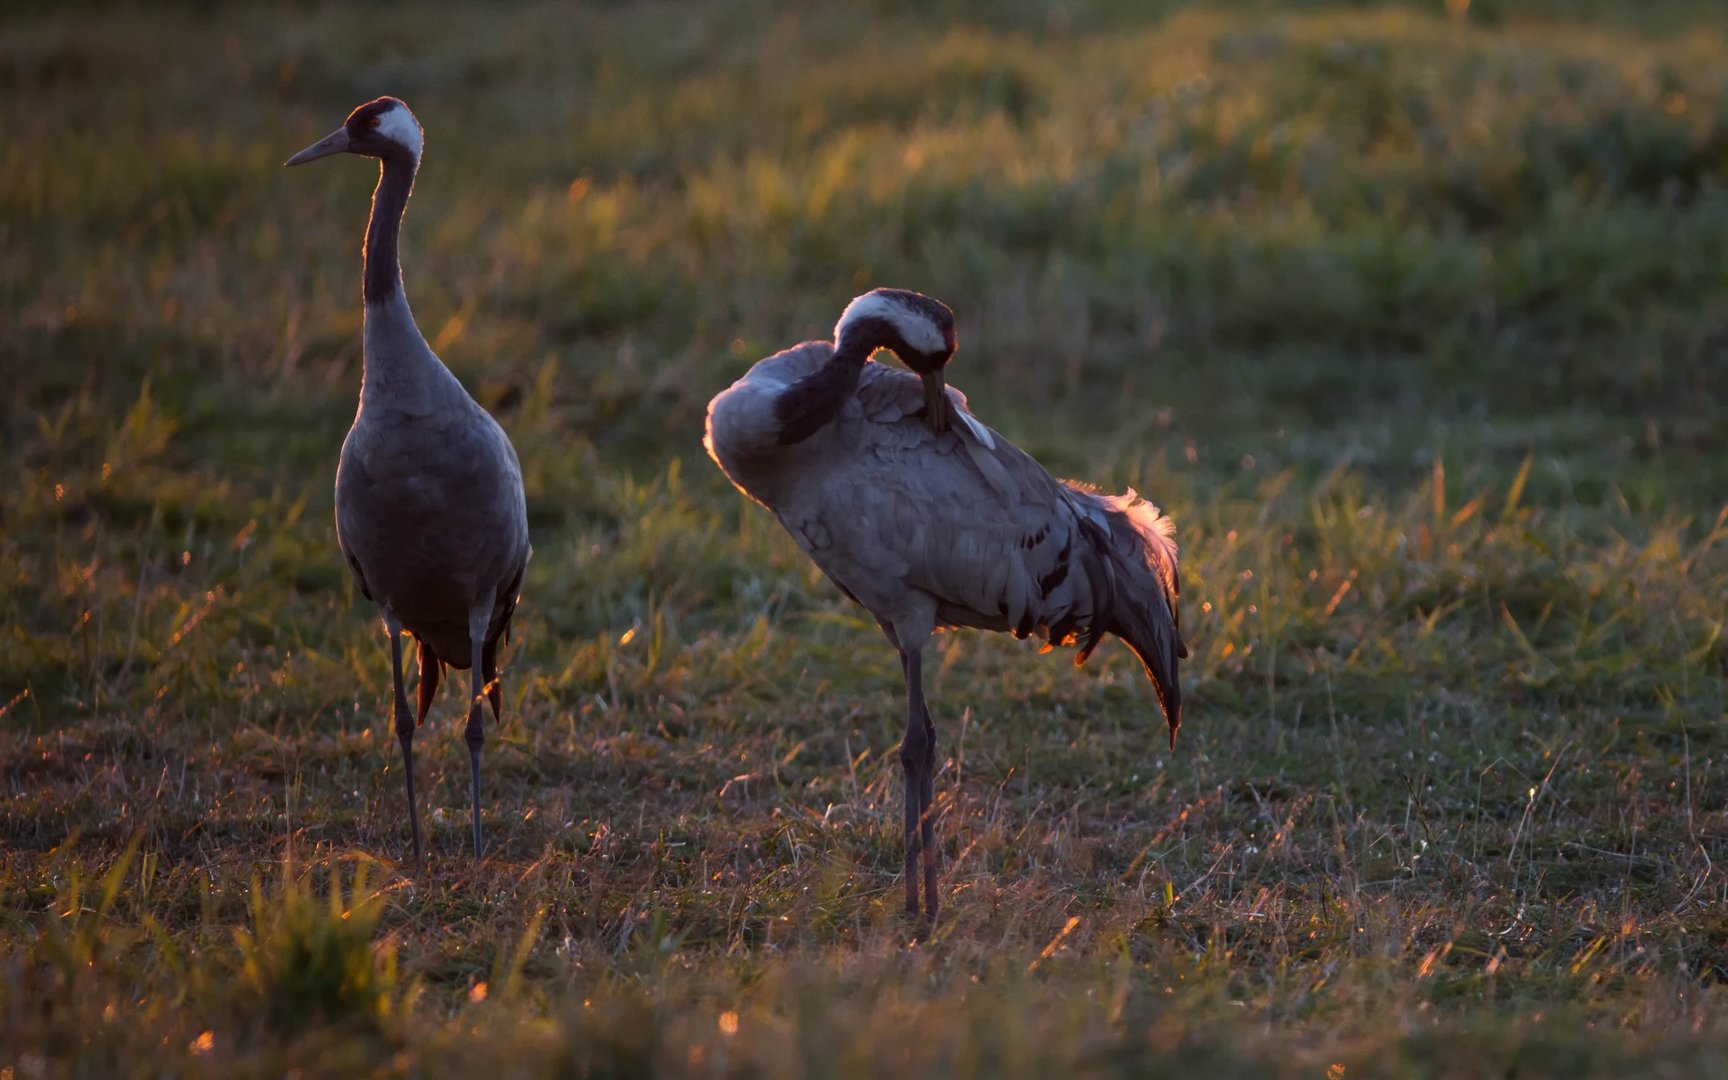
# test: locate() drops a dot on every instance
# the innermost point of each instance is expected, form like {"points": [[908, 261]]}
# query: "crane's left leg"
{"points": [[478, 622], [912, 758], [927, 806], [404, 726]]}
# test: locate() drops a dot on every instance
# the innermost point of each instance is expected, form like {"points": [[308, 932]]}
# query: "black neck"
{"points": [[383, 277], [817, 398]]}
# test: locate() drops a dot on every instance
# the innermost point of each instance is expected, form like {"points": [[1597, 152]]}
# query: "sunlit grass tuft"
{"points": [[310, 959]]}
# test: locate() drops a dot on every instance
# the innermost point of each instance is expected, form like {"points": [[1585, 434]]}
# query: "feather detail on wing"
{"points": [[1140, 604], [899, 517]]}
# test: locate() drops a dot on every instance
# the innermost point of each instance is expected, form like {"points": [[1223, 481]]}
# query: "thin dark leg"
{"points": [[405, 734], [915, 755], [918, 714], [927, 811], [476, 735]]}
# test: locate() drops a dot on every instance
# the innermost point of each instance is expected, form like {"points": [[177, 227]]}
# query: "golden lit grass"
{"points": [[1415, 325]]}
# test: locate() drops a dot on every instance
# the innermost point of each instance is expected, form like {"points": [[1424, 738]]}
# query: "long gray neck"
{"points": [[811, 402], [383, 276], [402, 373]]}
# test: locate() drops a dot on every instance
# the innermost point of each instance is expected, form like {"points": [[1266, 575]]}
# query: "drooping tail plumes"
{"points": [[1136, 546]]}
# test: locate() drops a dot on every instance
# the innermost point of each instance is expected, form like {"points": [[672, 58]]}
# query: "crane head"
{"points": [[383, 128], [918, 329]]}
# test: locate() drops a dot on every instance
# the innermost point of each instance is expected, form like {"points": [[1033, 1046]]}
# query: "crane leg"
{"points": [[918, 760], [927, 810], [476, 732], [404, 728]]}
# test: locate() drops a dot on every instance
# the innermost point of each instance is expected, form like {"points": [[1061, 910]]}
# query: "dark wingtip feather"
{"points": [[489, 672], [1144, 589], [1166, 685], [430, 669]]}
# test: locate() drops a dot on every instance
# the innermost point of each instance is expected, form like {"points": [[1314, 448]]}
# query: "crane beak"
{"points": [[337, 142], [935, 402]]}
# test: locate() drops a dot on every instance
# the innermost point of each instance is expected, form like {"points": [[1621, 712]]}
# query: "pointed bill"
{"points": [[935, 402], [334, 143]]}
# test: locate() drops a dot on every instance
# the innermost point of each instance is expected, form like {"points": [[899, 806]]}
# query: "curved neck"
{"points": [[811, 402], [383, 276]]}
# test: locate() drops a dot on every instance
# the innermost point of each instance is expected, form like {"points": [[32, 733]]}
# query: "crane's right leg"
{"points": [[404, 726], [918, 760]]}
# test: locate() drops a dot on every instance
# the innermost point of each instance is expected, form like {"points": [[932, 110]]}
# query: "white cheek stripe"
{"points": [[918, 331], [399, 126]]}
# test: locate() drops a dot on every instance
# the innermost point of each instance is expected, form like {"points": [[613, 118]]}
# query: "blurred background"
{"points": [[1298, 232], [1414, 315]]}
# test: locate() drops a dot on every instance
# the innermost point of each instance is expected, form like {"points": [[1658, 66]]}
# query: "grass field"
{"points": [[1414, 317]]}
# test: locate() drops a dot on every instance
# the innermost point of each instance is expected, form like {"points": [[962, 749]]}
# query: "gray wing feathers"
{"points": [[888, 396], [967, 523], [978, 525]]}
